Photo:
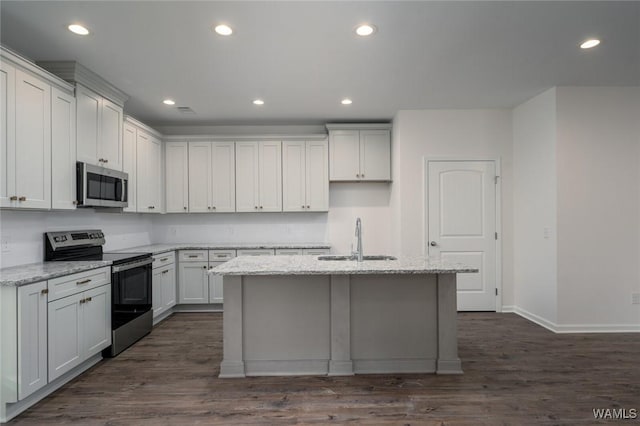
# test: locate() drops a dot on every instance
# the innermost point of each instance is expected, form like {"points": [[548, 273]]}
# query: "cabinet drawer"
{"points": [[193, 255], [76, 283], [288, 252], [221, 255], [256, 252], [316, 252], [164, 259]]}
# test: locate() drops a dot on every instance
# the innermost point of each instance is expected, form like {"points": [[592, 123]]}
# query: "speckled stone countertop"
{"points": [[17, 276], [310, 265], [163, 248]]}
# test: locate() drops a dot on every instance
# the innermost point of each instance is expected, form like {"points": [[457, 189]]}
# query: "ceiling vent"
{"points": [[185, 110]]}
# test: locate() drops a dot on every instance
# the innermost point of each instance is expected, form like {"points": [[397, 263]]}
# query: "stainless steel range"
{"points": [[131, 301]]}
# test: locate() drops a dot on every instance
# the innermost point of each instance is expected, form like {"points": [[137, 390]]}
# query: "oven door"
{"points": [[131, 291]]}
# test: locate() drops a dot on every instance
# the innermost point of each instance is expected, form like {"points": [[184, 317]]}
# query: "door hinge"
{"points": [[496, 235], [496, 291], [495, 180]]}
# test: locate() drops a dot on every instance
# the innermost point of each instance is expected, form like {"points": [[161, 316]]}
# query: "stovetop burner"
{"points": [[83, 245]]}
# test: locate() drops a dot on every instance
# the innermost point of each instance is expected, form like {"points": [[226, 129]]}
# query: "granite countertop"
{"points": [[163, 248], [310, 265], [17, 276]]}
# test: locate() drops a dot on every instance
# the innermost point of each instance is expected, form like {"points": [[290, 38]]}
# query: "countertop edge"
{"points": [[50, 275]]}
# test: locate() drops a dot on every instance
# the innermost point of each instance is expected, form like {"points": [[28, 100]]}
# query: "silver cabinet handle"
{"points": [[83, 282], [13, 198], [433, 244], [164, 272], [192, 256], [22, 198], [44, 291]]}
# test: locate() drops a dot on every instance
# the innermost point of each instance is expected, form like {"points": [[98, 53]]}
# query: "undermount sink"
{"points": [[338, 257]]}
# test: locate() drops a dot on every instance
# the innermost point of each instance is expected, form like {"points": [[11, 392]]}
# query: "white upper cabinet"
{"points": [[305, 176], [259, 176], [63, 150], [176, 177], [7, 135], [359, 152], [200, 177], [148, 173], [99, 129], [129, 156], [212, 177]]}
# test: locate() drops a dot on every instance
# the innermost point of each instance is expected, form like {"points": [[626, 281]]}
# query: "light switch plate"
{"points": [[635, 298]]}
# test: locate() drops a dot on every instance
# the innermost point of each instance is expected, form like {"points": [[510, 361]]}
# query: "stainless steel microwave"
{"points": [[100, 187]]}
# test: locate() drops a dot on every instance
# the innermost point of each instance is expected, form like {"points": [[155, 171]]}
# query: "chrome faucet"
{"points": [[358, 252]]}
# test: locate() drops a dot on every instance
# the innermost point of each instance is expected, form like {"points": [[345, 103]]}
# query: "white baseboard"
{"points": [[572, 328]]}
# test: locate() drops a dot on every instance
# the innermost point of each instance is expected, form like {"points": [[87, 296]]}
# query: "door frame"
{"points": [[425, 212]]}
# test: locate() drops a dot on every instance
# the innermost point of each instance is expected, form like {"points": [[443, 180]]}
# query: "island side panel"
{"points": [[286, 324], [232, 363], [448, 361], [340, 364], [394, 323]]}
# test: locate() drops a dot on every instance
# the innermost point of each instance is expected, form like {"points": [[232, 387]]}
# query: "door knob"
{"points": [[433, 244]]}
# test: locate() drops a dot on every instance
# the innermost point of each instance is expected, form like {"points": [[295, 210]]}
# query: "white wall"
{"points": [[535, 209], [465, 134], [21, 232], [598, 205]]}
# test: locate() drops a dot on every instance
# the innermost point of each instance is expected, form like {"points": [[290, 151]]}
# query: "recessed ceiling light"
{"points": [[78, 29], [223, 30], [169, 102], [346, 101], [365, 30], [258, 102], [588, 44]]}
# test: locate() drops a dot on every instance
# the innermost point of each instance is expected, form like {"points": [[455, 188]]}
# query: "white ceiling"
{"points": [[303, 57]]}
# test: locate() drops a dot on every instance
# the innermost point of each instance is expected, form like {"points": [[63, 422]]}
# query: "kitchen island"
{"points": [[298, 315]]}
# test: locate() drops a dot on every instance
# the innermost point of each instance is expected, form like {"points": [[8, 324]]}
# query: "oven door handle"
{"points": [[132, 265]]}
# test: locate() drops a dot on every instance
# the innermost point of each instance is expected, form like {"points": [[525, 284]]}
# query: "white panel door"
{"points": [[65, 335], [344, 151], [7, 135], [63, 150], [154, 179], [32, 338], [176, 177], [223, 177], [247, 176], [129, 164], [143, 170], [194, 282], [168, 277], [294, 176], [270, 154], [462, 224], [199, 177], [317, 176], [375, 149], [88, 113], [156, 292], [215, 285], [33, 142], [110, 145], [96, 320]]}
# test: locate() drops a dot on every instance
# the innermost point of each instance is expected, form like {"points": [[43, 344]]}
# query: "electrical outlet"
{"points": [[635, 298], [6, 244], [546, 233]]}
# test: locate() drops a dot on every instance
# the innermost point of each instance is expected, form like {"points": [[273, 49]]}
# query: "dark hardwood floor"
{"points": [[515, 373]]}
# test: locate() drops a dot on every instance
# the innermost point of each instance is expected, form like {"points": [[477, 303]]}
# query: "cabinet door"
{"points": [[65, 335], [146, 159], [247, 176], [194, 282], [215, 285], [176, 177], [293, 176], [129, 164], [375, 155], [288, 252], [317, 176], [156, 292], [110, 147], [32, 338], [223, 177], [88, 106], [33, 142], [7, 135], [154, 179], [96, 320], [199, 177], [344, 151], [270, 182], [168, 286], [63, 150]]}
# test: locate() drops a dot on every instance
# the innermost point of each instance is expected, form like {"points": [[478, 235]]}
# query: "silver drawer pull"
{"points": [[164, 272], [192, 256], [164, 259], [221, 255], [44, 291], [83, 300], [88, 299], [83, 282]]}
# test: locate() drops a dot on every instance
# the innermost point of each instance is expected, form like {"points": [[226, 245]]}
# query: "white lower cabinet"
{"points": [[79, 327], [32, 338], [194, 282], [256, 252], [316, 252], [215, 285], [164, 289]]}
